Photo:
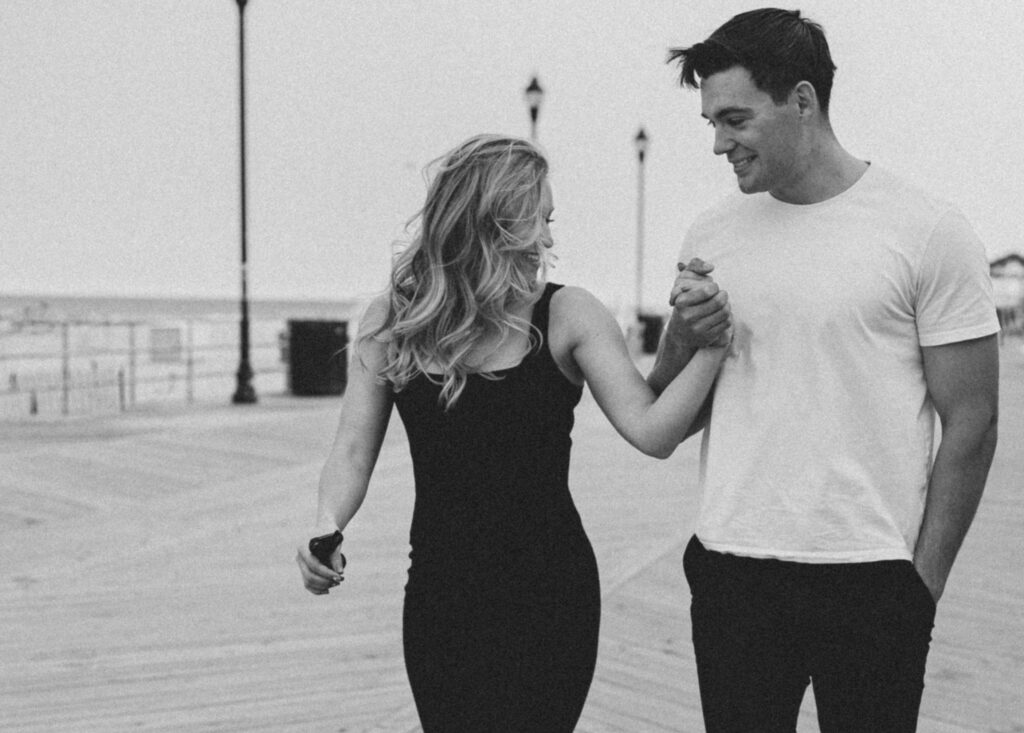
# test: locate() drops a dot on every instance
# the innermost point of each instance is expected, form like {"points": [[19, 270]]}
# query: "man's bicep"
{"points": [[964, 374]]}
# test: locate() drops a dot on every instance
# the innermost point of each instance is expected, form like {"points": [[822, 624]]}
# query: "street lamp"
{"points": [[640, 144], [534, 96], [244, 392]]}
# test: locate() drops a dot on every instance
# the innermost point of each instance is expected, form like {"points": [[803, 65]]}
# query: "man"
{"points": [[861, 307]]}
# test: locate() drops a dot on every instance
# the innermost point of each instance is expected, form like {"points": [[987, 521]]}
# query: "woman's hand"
{"points": [[317, 577]]}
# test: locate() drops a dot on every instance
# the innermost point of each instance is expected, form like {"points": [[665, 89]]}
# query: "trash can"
{"points": [[317, 362], [650, 334]]}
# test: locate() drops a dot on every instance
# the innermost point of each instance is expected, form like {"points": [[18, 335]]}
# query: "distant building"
{"points": [[1008, 285]]}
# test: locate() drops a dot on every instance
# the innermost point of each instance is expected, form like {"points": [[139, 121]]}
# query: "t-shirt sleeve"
{"points": [[954, 294]]}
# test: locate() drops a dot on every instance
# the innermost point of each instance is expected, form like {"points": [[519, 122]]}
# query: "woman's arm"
{"points": [[365, 412], [586, 332]]}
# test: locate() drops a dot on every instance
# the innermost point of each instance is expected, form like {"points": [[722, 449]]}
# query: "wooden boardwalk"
{"points": [[147, 581]]}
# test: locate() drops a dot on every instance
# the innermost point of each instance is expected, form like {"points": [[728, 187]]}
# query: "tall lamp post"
{"points": [[640, 143], [244, 394], [534, 97]]}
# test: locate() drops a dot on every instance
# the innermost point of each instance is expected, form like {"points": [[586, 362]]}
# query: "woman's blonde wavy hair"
{"points": [[478, 251]]}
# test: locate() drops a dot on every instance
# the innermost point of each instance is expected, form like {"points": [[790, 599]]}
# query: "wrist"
{"points": [[935, 582], [675, 342], [324, 525], [723, 342]]}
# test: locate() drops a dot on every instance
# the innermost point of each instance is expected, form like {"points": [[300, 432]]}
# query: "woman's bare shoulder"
{"points": [[576, 306], [573, 298], [375, 314], [578, 318]]}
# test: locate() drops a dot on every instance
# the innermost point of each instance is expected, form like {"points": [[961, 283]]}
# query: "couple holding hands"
{"points": [[858, 309]]}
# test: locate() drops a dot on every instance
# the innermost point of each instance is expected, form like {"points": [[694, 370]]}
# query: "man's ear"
{"points": [[806, 98]]}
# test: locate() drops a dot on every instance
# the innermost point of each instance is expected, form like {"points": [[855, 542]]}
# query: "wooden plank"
{"points": [[174, 604]]}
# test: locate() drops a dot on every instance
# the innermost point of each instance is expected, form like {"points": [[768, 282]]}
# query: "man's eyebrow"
{"points": [[726, 111]]}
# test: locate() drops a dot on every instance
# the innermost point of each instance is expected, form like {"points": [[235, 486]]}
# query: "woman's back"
{"points": [[492, 494], [503, 603]]}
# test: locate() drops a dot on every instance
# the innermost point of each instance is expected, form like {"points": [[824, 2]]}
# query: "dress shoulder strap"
{"points": [[542, 309]]}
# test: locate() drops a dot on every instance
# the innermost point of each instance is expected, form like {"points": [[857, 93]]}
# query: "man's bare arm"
{"points": [[963, 381]]}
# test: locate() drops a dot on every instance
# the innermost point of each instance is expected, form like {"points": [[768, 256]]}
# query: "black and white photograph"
{"points": [[535, 367]]}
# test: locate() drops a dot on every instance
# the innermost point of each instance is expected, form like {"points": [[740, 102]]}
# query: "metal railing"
{"points": [[61, 368]]}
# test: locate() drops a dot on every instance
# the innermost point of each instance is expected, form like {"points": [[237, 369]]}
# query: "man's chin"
{"points": [[749, 185]]}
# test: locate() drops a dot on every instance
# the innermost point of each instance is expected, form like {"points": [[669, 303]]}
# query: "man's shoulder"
{"points": [[904, 197]]}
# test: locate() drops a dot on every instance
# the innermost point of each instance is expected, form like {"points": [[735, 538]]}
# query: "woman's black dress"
{"points": [[503, 604]]}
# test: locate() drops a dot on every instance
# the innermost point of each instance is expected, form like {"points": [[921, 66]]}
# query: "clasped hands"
{"points": [[701, 316]]}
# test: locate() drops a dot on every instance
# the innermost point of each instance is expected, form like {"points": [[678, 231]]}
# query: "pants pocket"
{"points": [[692, 557]]}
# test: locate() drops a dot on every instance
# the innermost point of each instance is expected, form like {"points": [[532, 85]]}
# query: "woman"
{"points": [[485, 364]]}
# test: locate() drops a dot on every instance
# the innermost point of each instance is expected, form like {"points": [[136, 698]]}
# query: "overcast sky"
{"points": [[119, 129]]}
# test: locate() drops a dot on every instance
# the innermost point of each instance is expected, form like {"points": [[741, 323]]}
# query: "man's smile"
{"points": [[740, 165]]}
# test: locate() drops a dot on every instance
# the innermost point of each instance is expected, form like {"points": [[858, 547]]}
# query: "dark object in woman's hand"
{"points": [[323, 547]]}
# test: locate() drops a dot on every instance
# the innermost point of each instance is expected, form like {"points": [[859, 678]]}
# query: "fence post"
{"points": [[131, 364], [65, 370], [94, 390], [190, 364], [120, 388]]}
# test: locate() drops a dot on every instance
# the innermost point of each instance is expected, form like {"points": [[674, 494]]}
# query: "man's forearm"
{"points": [[672, 358], [957, 482]]}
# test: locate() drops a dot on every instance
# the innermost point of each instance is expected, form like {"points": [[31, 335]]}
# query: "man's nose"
{"points": [[723, 144]]}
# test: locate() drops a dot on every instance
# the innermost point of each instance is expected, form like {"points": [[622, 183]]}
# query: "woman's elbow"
{"points": [[659, 449], [651, 437]]}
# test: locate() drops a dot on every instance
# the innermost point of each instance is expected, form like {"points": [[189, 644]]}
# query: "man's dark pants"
{"points": [[763, 629]]}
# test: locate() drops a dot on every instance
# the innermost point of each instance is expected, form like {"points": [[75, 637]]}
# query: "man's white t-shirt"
{"points": [[820, 442]]}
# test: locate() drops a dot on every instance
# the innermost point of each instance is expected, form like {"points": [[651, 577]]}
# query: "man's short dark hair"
{"points": [[778, 48]]}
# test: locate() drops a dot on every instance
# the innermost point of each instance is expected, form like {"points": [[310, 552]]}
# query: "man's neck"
{"points": [[827, 171]]}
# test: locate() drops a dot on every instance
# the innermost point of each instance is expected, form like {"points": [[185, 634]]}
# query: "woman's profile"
{"points": [[485, 362]]}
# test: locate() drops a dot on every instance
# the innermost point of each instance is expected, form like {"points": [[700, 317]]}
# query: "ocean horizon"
{"points": [[44, 307]]}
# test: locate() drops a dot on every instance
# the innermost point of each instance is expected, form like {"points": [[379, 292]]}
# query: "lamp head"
{"points": [[640, 142], [534, 97]]}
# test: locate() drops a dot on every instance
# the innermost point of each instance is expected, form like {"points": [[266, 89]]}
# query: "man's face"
{"points": [[761, 139]]}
